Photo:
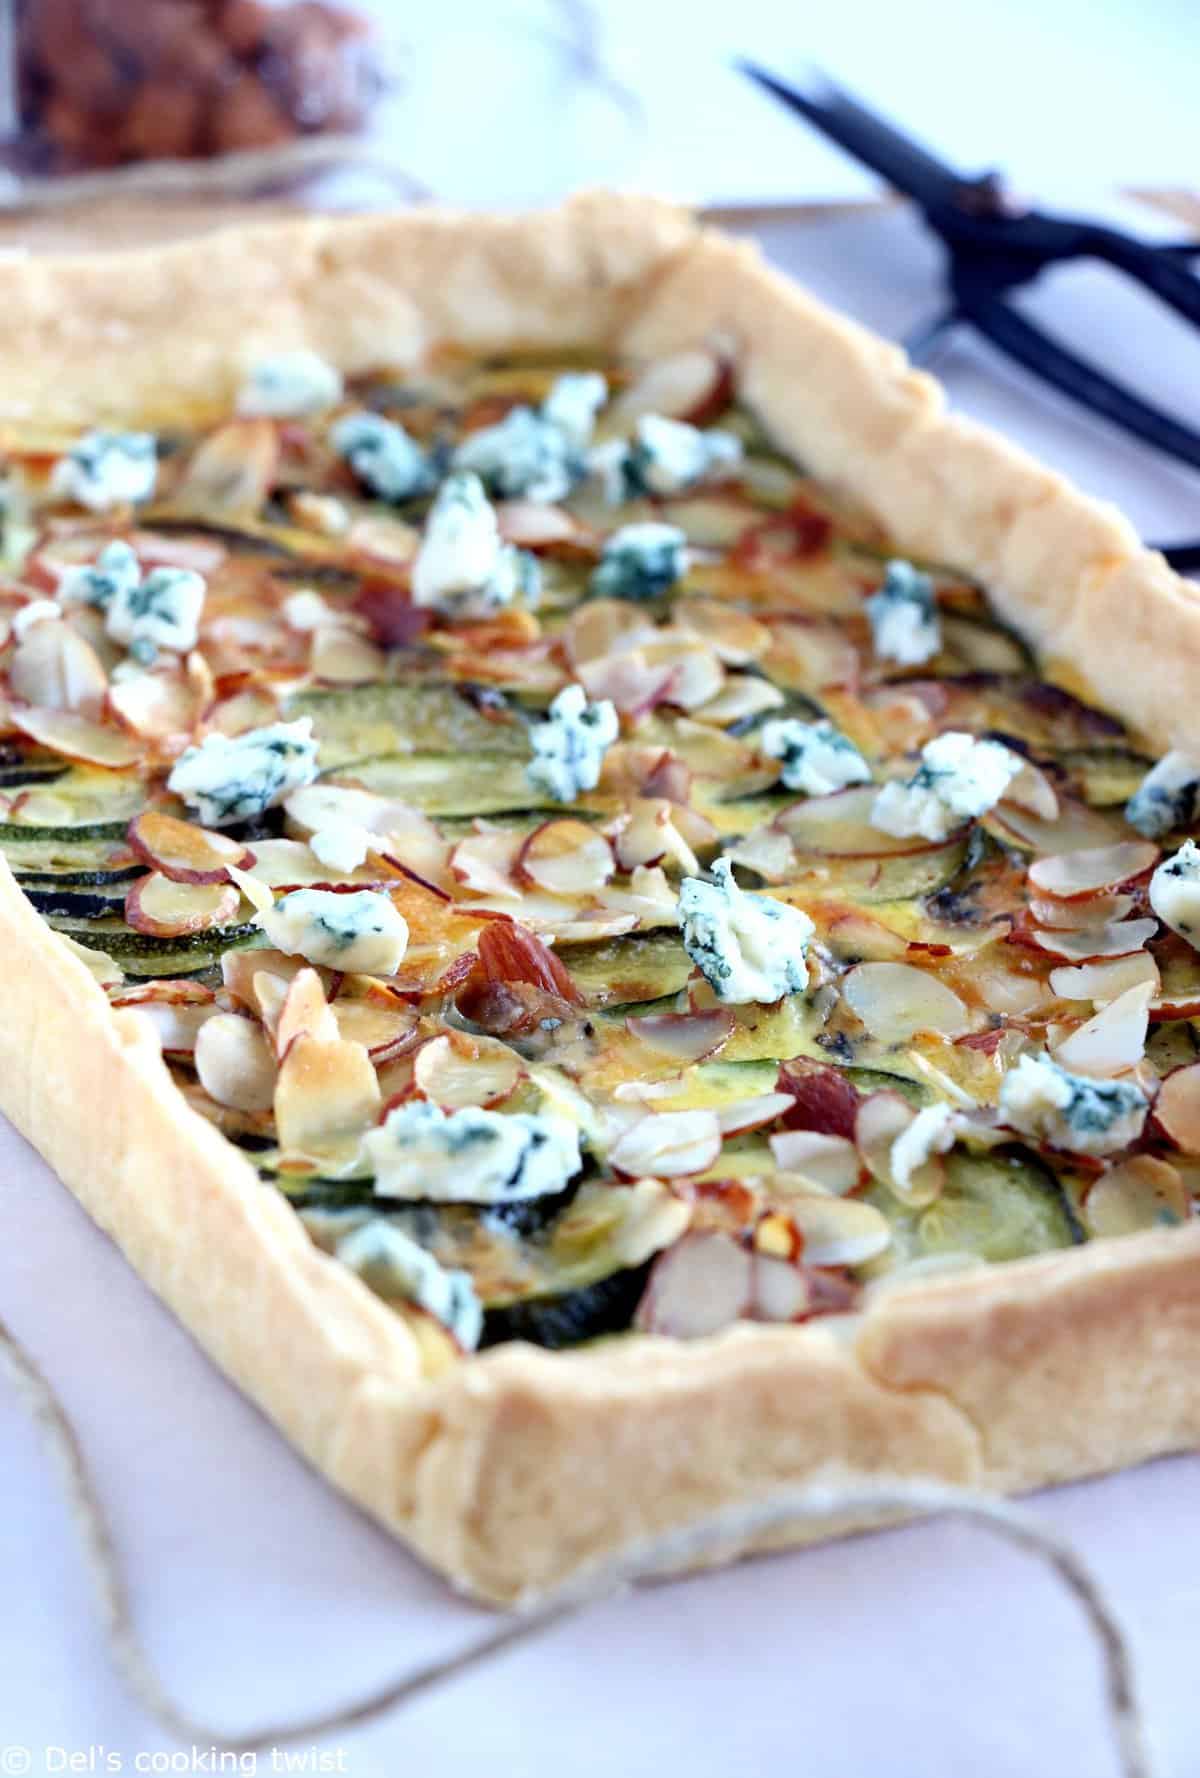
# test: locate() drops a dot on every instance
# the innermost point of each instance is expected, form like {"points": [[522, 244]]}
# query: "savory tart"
{"points": [[550, 828]]}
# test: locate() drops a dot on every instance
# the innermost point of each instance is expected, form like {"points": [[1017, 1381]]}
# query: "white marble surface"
{"points": [[922, 1653]]}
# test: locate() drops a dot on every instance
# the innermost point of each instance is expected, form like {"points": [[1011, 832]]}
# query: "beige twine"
{"points": [[793, 1506]]}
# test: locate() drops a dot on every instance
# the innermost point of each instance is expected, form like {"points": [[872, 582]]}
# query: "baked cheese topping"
{"points": [[599, 883]]}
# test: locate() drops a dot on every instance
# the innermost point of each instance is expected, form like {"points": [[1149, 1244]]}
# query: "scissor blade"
{"points": [[903, 163]]}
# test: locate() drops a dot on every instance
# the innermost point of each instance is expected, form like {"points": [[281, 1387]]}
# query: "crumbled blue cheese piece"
{"points": [[569, 746], [573, 402], [115, 570], [471, 1156], [1071, 1111], [524, 456], [1167, 796], [289, 385], [393, 1265], [462, 568], [1175, 892], [162, 611], [641, 561], [958, 778], [747, 947], [933, 1131], [364, 932], [815, 757], [107, 469], [663, 457], [383, 456], [904, 620], [233, 777], [342, 845]]}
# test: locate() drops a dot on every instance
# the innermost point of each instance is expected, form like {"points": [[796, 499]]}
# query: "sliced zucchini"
{"points": [[1105, 776], [81, 804], [122, 941], [997, 1205], [876, 1080], [621, 971], [366, 721], [82, 901], [67, 860], [448, 784], [1173, 1044], [983, 644], [900, 876]]}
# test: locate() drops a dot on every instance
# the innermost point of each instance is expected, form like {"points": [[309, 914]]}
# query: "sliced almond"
{"points": [[1117, 939], [653, 1218], [768, 851], [232, 472], [455, 1070], [341, 656], [235, 1063], [700, 1285], [1113, 1040], [682, 386], [831, 1162], [839, 1231], [1103, 981], [896, 1000], [532, 524], [840, 826], [752, 1114], [1136, 1194], [600, 627], [685, 1036], [696, 673], [881, 1120], [303, 1011], [668, 1144], [1076, 828], [733, 635], [162, 706], [1084, 872], [184, 851], [164, 908], [325, 1092], [629, 681], [77, 737], [566, 857], [386, 1030], [485, 863], [1081, 915], [1177, 1108], [741, 696], [52, 667]]}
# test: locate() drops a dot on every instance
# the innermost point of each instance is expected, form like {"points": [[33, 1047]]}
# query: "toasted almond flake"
{"points": [[384, 539], [303, 1011], [240, 972], [881, 1120], [812, 656], [158, 905], [1031, 789], [754, 1113], [234, 1063], [255, 707], [532, 524], [653, 1218], [668, 1144], [696, 673], [184, 851], [386, 1029], [1101, 982], [1117, 939], [679, 386], [1079, 916], [485, 863], [162, 706], [733, 635], [896, 1000], [599, 627], [566, 857], [455, 1070], [1077, 828], [1177, 1108], [768, 851], [839, 1231], [1136, 1194], [740, 697], [325, 1092], [628, 680], [699, 1286], [654, 830], [1113, 1040], [77, 737], [829, 1161], [232, 471], [1084, 872], [685, 1036], [340, 656], [52, 667]]}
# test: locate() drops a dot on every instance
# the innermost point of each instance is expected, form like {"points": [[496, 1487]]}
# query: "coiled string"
{"points": [[807, 1504]]}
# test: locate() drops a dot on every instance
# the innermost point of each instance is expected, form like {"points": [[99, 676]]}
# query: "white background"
{"points": [[923, 1653]]}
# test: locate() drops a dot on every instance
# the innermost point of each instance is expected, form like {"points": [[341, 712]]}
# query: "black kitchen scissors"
{"points": [[993, 245]]}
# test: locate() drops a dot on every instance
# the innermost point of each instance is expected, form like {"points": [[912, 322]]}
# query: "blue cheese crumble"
{"points": [[104, 470], [1175, 892], [462, 568], [663, 457], [115, 571], [1167, 796], [234, 777], [569, 747], [393, 1265], [363, 932], [524, 456], [815, 757], [641, 561], [934, 1130], [342, 845], [289, 385], [747, 947], [470, 1156], [572, 404], [1071, 1111], [904, 620], [161, 611], [958, 778], [383, 456]]}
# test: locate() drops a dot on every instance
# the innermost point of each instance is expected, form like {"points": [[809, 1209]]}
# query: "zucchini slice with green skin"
{"points": [[70, 860], [122, 941], [898, 876], [983, 644], [450, 783], [998, 1204], [76, 900], [623, 971], [1105, 776], [365, 722], [82, 804]]}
